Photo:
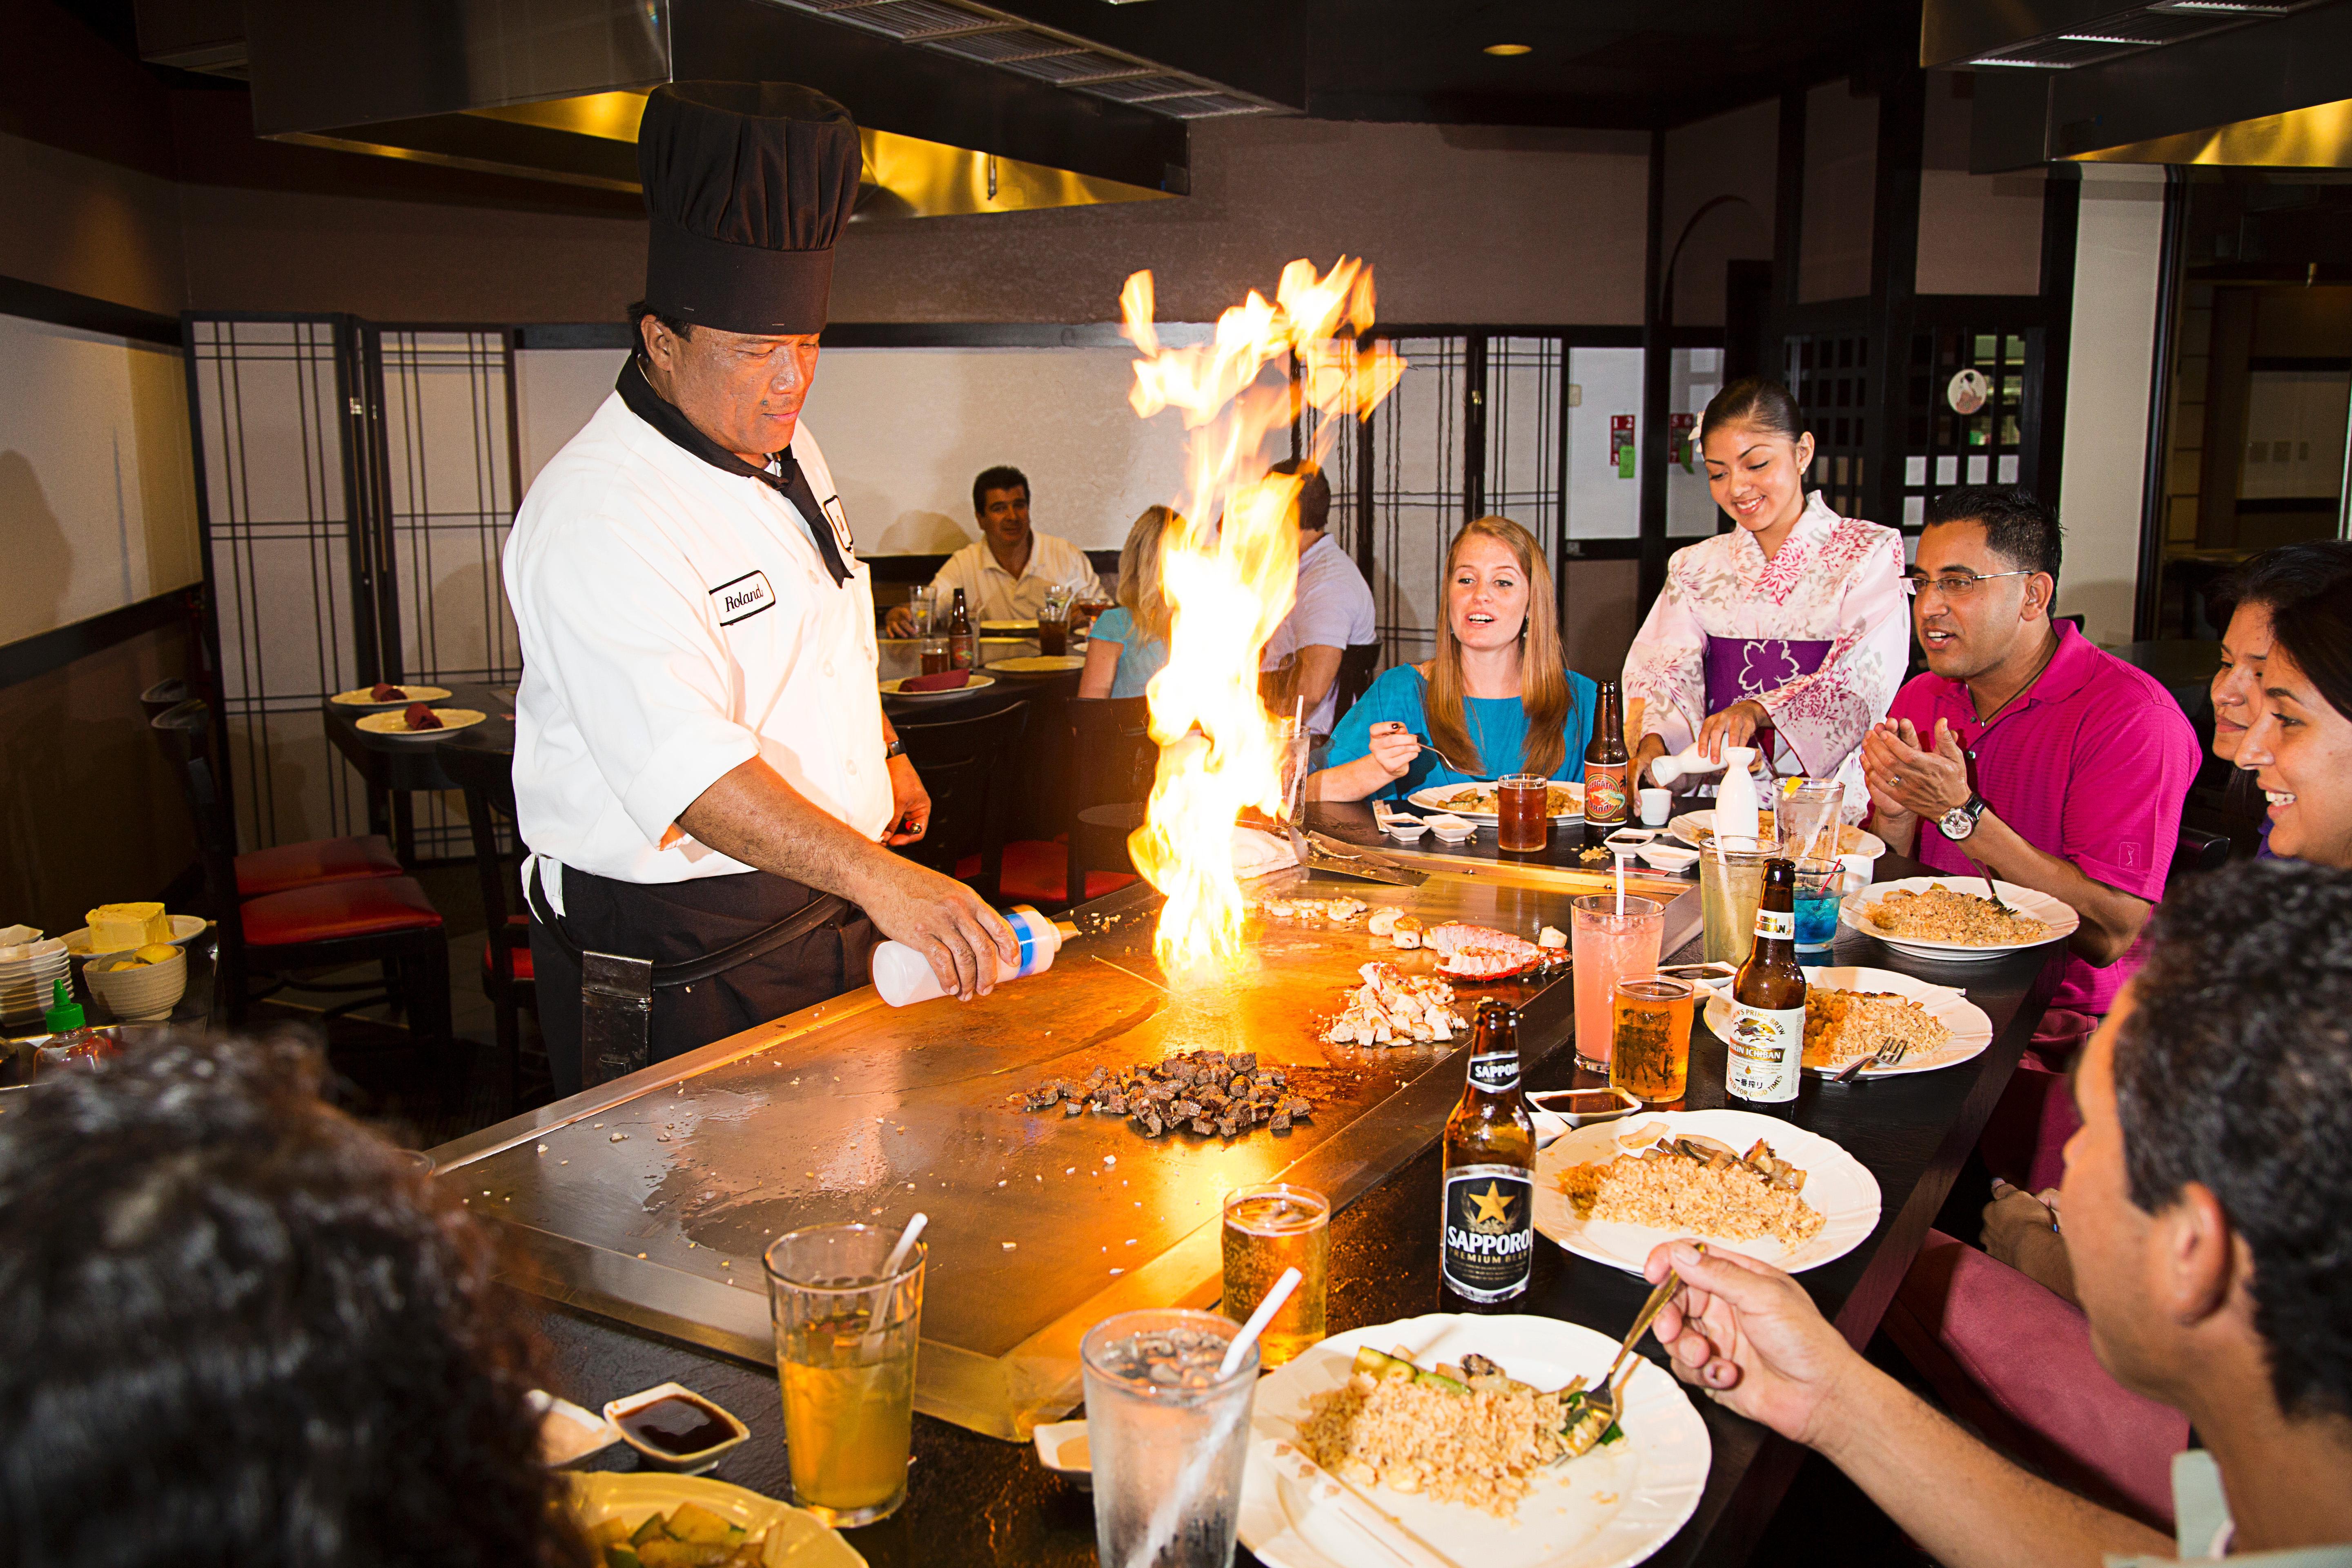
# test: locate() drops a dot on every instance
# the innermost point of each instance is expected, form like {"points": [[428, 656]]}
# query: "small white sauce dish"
{"points": [[617, 1411], [1061, 1448], [1667, 857], [1450, 828]]}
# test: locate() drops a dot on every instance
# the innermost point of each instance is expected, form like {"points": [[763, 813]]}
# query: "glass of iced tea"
{"points": [[1649, 1055], [936, 659], [1269, 1229], [845, 1337], [1053, 624], [1522, 811]]}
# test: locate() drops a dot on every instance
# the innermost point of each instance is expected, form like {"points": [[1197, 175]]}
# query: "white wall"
{"points": [[2109, 378], [97, 499]]}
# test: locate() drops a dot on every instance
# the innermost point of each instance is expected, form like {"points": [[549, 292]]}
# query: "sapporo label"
{"points": [[1766, 1052], [1489, 1236], [1604, 791], [1495, 1072], [1781, 923]]}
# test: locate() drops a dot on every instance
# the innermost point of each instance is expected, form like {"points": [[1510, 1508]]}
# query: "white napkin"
{"points": [[1256, 853]]}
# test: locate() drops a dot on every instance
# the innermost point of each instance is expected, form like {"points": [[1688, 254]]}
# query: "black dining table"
{"points": [[396, 765], [1038, 774], [974, 1499]]}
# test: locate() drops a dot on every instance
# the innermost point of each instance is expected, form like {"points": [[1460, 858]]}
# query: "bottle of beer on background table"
{"points": [[1486, 1232], [1767, 1039], [960, 646], [1606, 808]]}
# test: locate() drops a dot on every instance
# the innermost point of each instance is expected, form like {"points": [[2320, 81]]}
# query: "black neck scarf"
{"points": [[783, 474]]}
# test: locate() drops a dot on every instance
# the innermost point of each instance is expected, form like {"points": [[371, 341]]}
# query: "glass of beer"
{"points": [[937, 659], [845, 1336], [1730, 882], [1269, 1229], [1649, 1055], [1053, 624], [1608, 943], [1522, 811]]}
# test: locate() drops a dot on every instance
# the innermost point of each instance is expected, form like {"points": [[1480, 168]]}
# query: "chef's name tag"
{"points": [[744, 597]]}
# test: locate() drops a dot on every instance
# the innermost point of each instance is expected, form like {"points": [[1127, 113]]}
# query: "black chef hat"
{"points": [[747, 184]]}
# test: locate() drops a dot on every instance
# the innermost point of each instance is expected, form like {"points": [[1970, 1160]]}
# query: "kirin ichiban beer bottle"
{"points": [[1767, 1042], [1606, 805], [1486, 1236]]}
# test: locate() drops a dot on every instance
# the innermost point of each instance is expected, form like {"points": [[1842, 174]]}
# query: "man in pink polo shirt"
{"points": [[2026, 751]]}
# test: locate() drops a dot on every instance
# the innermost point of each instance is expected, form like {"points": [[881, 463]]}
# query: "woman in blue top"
{"points": [[1128, 644], [1497, 698]]}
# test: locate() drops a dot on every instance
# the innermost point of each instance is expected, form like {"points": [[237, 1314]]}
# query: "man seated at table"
{"points": [[1007, 571], [1332, 611], [2209, 1211], [2028, 751]]}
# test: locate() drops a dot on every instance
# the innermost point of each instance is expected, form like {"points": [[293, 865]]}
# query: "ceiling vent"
{"points": [[2065, 35]]}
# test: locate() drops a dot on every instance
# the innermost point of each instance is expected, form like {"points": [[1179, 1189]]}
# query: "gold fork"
{"points": [[1602, 1402]]}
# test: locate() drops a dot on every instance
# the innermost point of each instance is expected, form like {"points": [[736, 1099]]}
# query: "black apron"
{"points": [[680, 923]]}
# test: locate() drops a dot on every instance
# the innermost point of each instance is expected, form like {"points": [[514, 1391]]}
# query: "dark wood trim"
{"points": [[1657, 372], [63, 308], [1473, 429], [2299, 361], [2045, 393], [44, 653], [1587, 335], [1575, 550], [2147, 589], [1894, 287]]}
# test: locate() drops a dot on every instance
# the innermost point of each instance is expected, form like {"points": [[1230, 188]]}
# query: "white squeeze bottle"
{"points": [[905, 977]]}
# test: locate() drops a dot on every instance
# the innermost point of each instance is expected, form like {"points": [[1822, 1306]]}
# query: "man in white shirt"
{"points": [[1007, 571], [702, 770], [2208, 1211], [1333, 610]]}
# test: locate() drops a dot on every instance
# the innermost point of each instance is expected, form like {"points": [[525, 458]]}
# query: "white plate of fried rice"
{"points": [[1607, 1508], [1837, 1187], [1965, 1035], [1951, 918]]}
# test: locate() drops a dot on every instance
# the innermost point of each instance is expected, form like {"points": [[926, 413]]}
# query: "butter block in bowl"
{"points": [[118, 928]]}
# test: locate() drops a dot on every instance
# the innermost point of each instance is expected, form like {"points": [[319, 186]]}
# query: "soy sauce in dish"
{"points": [[676, 1426]]}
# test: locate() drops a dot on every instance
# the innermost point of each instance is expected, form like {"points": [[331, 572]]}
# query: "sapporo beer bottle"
{"points": [[1487, 1236], [961, 646], [1766, 1043], [1605, 764]]}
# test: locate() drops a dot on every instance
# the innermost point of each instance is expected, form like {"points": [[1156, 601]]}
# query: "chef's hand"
{"points": [[953, 927], [900, 622], [2021, 1229], [910, 804], [1734, 726], [1752, 1337], [1913, 777], [1393, 748]]}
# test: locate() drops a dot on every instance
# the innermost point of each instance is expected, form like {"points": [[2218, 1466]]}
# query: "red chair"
{"points": [[487, 779], [1112, 758], [284, 866], [965, 764], [386, 921]]}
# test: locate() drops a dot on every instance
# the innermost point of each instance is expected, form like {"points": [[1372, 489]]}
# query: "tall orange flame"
{"points": [[1229, 572]]}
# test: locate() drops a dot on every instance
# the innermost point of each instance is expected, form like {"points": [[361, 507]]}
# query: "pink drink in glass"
{"points": [[1608, 947]]}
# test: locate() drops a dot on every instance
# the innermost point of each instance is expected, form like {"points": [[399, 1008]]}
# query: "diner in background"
{"points": [[1791, 622], [1128, 644], [1007, 571], [1331, 612], [700, 752], [2262, 585], [1495, 697], [2299, 746], [2208, 1205], [236, 1327]]}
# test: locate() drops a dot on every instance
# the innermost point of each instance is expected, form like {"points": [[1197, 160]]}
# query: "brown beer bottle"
{"points": [[960, 646], [1767, 1041], [1487, 1230], [1605, 764]]}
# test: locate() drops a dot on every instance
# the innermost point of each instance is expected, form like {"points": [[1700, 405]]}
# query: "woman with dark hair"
{"points": [[2262, 585], [1497, 699], [1790, 632], [2299, 747], [236, 1327]]}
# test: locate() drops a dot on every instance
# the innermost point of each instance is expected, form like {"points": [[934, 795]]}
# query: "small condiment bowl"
{"points": [[692, 1464], [1405, 827], [1450, 828], [1061, 1448], [1667, 857]]}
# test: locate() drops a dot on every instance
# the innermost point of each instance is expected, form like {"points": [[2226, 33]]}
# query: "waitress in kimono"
{"points": [[1790, 632]]}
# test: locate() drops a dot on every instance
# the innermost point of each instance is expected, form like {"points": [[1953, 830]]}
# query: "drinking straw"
{"points": [[1257, 1322], [906, 1243], [1621, 879], [880, 1313]]}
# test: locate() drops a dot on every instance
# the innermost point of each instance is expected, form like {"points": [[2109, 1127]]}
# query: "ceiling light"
{"points": [[1510, 48], [2026, 65], [2248, 6], [2100, 38]]}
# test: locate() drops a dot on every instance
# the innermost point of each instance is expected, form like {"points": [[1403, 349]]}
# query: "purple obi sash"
{"points": [[1749, 666]]}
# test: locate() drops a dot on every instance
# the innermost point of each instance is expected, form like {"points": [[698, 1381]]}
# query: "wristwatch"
{"points": [[1961, 820], [896, 748]]}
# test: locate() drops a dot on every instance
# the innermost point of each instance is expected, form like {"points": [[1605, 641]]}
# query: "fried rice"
{"points": [[1481, 1449], [1841, 1025], [1667, 1191], [1947, 914]]}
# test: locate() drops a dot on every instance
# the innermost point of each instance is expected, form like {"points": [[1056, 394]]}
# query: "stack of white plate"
{"points": [[28, 975]]}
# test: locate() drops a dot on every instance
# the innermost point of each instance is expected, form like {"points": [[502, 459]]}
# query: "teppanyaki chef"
{"points": [[703, 773]]}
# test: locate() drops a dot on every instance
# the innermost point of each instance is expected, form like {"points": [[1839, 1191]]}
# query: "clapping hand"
{"points": [[1908, 779]]}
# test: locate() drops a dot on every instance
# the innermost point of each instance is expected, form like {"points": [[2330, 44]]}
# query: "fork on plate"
{"points": [[1888, 1055]]}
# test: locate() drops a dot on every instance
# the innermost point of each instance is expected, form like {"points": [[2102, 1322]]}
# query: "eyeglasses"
{"points": [[1955, 586]]}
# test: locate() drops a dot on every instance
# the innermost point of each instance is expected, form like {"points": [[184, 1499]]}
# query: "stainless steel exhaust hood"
{"points": [[2209, 81], [965, 108]]}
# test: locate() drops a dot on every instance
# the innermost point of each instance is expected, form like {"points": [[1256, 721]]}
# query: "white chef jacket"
{"points": [[992, 593], [677, 621]]}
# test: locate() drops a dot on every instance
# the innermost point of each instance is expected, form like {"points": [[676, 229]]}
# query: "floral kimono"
{"points": [[1818, 635]]}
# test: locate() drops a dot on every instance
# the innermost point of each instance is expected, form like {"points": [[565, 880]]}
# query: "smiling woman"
{"points": [[2299, 747]]}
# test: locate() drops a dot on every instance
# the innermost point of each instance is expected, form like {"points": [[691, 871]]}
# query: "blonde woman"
{"points": [[1129, 641], [1497, 699]]}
